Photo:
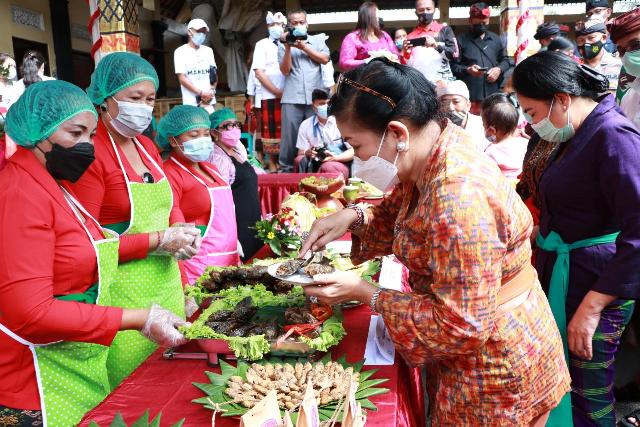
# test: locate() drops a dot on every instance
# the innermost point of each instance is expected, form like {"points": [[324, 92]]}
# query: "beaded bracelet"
{"points": [[359, 222]]}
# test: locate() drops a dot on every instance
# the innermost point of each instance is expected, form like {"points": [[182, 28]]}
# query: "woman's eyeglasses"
{"points": [[342, 80], [230, 125]]}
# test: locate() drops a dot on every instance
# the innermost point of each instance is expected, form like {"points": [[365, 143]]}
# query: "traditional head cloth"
{"points": [[592, 4], [42, 108], [561, 43], [479, 10], [276, 18], [456, 87], [220, 116], [564, 29], [595, 24], [624, 24], [546, 29]]}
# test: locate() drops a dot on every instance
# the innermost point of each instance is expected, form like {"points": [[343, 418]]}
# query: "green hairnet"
{"points": [[220, 116], [42, 108], [118, 71], [179, 120]]}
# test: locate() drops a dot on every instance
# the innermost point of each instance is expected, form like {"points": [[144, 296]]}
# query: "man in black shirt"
{"points": [[482, 62]]}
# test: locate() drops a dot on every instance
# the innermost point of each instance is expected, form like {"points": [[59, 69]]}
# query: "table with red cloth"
{"points": [[273, 188], [166, 385]]}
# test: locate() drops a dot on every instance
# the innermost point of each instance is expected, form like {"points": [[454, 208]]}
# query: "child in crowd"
{"points": [[507, 148]]}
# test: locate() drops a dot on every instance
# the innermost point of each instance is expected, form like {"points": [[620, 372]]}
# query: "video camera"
{"points": [[292, 38]]}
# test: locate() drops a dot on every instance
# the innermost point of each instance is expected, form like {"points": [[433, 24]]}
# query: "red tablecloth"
{"points": [[275, 187], [165, 385]]}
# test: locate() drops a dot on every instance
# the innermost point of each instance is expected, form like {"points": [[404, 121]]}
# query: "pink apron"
{"points": [[220, 241]]}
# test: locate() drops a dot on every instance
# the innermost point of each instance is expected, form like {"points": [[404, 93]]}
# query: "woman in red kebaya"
{"points": [[126, 190], [200, 194], [57, 267]]}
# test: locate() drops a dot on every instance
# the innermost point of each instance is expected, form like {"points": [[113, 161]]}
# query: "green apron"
{"points": [[72, 376], [561, 416], [140, 283]]}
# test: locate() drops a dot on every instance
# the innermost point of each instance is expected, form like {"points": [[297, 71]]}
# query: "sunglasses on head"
{"points": [[230, 125]]}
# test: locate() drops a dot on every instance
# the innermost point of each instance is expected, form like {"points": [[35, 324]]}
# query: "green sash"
{"points": [[90, 296], [561, 416]]}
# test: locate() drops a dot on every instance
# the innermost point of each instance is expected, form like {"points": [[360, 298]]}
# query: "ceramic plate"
{"points": [[299, 278]]}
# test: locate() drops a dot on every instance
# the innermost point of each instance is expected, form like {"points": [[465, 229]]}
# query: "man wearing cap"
{"points": [[601, 8], [625, 32], [545, 33], [590, 39], [196, 67], [454, 102], [267, 71], [482, 62], [438, 36]]}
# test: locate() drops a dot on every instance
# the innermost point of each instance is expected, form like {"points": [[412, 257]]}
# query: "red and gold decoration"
{"points": [[113, 25]]}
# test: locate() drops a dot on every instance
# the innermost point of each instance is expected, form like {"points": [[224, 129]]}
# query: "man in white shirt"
{"points": [[267, 71], [196, 68], [320, 145], [454, 101]]}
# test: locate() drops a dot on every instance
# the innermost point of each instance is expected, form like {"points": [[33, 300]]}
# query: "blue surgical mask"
{"points": [[323, 111], [631, 63], [275, 32], [399, 44], [549, 132], [300, 30], [198, 38], [198, 149]]}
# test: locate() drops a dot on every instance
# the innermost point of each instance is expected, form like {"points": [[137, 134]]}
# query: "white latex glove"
{"points": [[190, 251], [177, 238], [190, 306], [161, 327], [240, 251]]}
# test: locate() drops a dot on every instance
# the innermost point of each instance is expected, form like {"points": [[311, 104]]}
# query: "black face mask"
{"points": [[381, 23], [591, 50], [69, 163], [425, 18], [456, 117], [479, 29]]}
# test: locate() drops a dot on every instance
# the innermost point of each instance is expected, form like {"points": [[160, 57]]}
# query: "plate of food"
{"points": [[300, 271]]}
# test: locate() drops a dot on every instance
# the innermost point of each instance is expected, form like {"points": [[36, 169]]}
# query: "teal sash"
{"points": [[561, 416]]}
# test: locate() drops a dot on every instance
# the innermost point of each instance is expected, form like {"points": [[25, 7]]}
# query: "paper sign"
{"points": [[264, 414], [308, 415], [379, 349], [391, 273]]}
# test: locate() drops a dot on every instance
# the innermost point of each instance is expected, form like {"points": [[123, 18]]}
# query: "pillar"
{"points": [[118, 24], [443, 7], [509, 15], [158, 28], [61, 32]]}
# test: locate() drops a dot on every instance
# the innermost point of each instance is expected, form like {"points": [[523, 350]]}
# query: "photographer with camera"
{"points": [[320, 145], [300, 57]]}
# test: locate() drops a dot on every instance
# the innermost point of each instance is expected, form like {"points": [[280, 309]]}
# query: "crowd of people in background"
{"points": [[403, 102]]}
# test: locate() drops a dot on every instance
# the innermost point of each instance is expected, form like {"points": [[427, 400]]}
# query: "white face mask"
{"points": [[377, 171], [12, 73], [133, 118]]}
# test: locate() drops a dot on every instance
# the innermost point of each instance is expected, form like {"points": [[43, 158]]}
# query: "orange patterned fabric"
{"points": [[462, 231]]}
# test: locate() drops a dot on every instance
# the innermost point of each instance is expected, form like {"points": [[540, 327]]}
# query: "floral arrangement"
{"points": [[281, 232]]}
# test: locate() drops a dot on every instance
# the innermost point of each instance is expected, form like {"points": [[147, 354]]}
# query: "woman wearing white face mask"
{"points": [[478, 317], [127, 191], [8, 75], [202, 196], [589, 227]]}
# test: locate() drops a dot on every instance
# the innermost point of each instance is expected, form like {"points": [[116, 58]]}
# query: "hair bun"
{"points": [[596, 81]]}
